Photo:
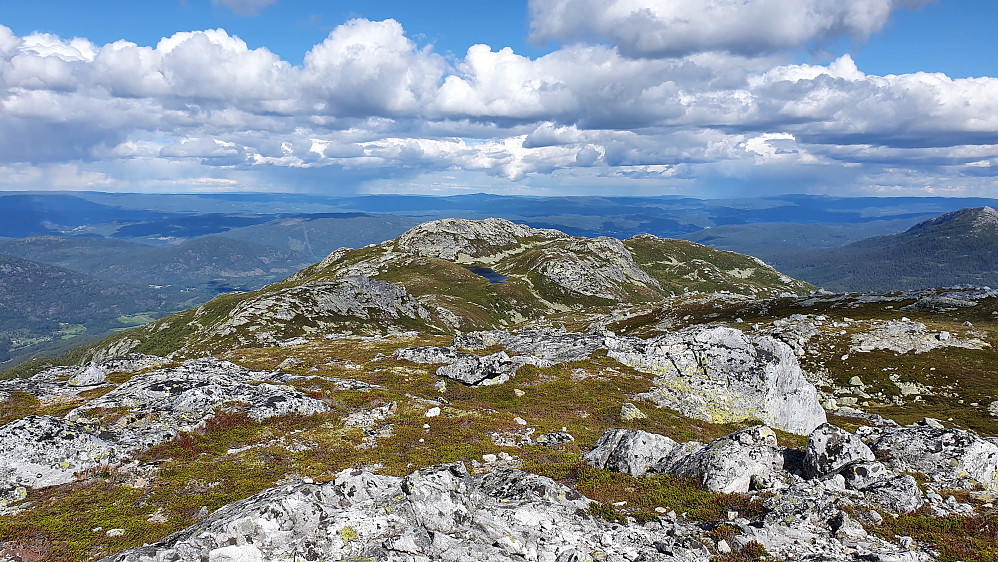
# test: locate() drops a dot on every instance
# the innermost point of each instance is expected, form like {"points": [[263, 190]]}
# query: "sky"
{"points": [[705, 98]]}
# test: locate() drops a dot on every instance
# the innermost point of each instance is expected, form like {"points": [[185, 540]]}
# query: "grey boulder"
{"points": [[952, 457], [730, 463], [830, 448], [630, 451], [721, 375]]}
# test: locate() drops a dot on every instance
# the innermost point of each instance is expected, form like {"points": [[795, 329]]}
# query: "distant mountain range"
{"points": [[956, 248]]}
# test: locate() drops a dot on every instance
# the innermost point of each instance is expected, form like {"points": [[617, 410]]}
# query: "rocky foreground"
{"points": [[814, 501], [593, 400]]}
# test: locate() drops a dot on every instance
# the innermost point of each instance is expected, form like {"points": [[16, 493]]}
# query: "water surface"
{"points": [[490, 274]]}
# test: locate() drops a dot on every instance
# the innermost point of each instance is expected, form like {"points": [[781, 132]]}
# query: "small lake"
{"points": [[489, 273]]}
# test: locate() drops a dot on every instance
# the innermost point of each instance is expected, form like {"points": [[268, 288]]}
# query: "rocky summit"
{"points": [[597, 400]]}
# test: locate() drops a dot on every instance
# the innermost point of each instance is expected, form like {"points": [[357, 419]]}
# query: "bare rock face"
{"points": [[40, 451], [594, 267], [730, 463], [465, 241], [318, 307], [830, 448], [956, 458], [473, 370], [719, 374], [181, 398], [630, 451], [438, 513]]}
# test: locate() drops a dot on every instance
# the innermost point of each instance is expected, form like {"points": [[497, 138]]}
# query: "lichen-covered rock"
{"points": [[181, 398], [956, 458], [40, 451], [68, 381], [439, 513], [719, 374], [728, 464], [96, 372], [549, 346], [430, 354], [555, 438], [473, 370], [318, 307], [630, 412], [594, 267], [630, 451], [898, 494], [861, 474], [493, 369], [830, 448]]}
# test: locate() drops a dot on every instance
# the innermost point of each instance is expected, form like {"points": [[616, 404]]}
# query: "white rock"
{"points": [[432, 412], [721, 375]]}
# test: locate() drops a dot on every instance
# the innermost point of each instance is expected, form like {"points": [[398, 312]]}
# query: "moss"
{"points": [[956, 537], [642, 495]]}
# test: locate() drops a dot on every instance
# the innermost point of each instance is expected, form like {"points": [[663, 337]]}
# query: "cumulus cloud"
{"points": [[369, 103], [665, 28]]}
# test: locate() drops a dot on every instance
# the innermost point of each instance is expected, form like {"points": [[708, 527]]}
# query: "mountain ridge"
{"points": [[957, 248]]}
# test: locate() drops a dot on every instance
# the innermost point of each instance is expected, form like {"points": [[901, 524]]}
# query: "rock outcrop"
{"points": [[317, 307], [439, 513], [40, 451], [161, 403], [720, 375], [466, 241], [953, 457]]}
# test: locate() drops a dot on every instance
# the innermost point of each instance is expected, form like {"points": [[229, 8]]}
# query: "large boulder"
{"points": [[730, 463], [830, 448], [952, 457], [719, 374], [630, 451], [898, 494]]}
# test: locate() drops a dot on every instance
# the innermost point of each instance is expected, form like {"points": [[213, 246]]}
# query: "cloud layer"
{"points": [[665, 28], [651, 111]]}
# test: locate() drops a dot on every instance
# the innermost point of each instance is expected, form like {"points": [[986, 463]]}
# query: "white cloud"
{"points": [[368, 103], [666, 28], [370, 68]]}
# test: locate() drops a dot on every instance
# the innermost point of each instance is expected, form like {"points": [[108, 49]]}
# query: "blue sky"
{"points": [[705, 97]]}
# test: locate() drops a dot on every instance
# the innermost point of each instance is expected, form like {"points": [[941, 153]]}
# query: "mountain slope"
{"points": [[424, 281], [40, 302], [956, 248]]}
